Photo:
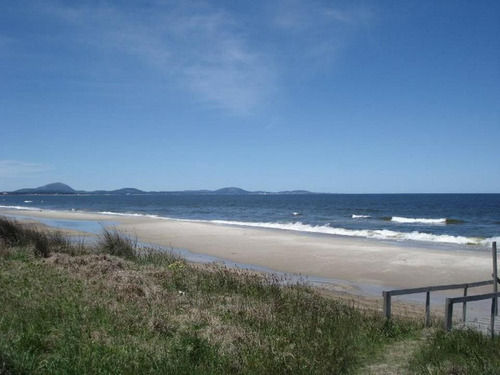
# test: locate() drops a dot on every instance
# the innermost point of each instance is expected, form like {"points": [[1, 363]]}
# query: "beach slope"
{"points": [[353, 260]]}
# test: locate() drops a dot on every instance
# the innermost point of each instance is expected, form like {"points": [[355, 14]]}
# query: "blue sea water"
{"points": [[456, 219]]}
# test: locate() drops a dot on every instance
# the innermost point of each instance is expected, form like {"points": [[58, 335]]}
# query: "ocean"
{"points": [[457, 220]]}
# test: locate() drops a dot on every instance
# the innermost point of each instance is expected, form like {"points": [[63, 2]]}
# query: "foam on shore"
{"points": [[378, 234]]}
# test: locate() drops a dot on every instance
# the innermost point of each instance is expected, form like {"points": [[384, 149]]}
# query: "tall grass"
{"points": [[12, 233], [114, 242], [122, 309], [458, 352], [58, 322]]}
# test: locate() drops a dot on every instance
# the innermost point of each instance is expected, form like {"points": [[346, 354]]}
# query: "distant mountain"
{"points": [[231, 191], [55, 188], [298, 192], [60, 188], [127, 191]]}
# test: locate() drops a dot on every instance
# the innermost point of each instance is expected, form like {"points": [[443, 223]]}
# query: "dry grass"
{"points": [[90, 311]]}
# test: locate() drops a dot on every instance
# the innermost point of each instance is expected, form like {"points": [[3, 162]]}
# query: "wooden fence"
{"points": [[448, 319], [388, 294]]}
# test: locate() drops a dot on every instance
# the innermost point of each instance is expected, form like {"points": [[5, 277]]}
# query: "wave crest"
{"points": [[379, 234], [22, 208], [410, 220]]}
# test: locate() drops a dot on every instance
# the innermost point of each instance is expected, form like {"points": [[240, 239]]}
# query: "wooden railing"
{"points": [[448, 319], [388, 294]]}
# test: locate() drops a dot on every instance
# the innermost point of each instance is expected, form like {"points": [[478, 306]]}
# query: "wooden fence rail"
{"points": [[449, 308], [388, 294]]}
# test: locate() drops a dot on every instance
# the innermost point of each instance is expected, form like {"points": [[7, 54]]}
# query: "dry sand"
{"points": [[384, 265]]}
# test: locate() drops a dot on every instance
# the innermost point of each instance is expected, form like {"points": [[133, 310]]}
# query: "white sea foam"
{"points": [[380, 234], [489, 241], [129, 214], [409, 220], [28, 201], [360, 216], [21, 208]]}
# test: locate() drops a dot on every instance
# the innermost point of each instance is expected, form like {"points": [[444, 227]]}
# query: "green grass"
{"points": [[114, 242], [465, 352], [14, 234], [119, 309]]}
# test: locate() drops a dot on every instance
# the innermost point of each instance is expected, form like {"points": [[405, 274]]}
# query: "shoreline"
{"points": [[356, 261]]}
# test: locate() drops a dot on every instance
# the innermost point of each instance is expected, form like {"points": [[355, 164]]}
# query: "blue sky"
{"points": [[329, 96]]}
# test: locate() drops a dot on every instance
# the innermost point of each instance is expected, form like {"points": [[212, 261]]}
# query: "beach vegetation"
{"points": [[118, 308], [114, 242], [462, 351], [41, 242]]}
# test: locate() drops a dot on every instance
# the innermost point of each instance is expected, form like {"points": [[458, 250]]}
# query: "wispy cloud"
{"points": [[14, 168], [198, 47], [319, 29], [224, 57], [302, 14]]}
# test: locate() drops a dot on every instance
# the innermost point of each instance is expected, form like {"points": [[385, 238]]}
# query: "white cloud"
{"points": [[319, 30], [310, 14], [225, 58], [198, 47]]}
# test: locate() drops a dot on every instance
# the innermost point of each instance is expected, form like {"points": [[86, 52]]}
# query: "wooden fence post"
{"points": [[495, 275], [428, 309], [492, 321], [464, 308], [387, 304], [448, 314]]}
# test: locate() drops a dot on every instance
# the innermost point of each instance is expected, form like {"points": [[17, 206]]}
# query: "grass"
{"points": [[466, 352], [13, 234], [114, 242], [119, 309]]}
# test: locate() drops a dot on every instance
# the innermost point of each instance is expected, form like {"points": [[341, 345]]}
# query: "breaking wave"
{"points": [[380, 234], [409, 220], [129, 214], [25, 208]]}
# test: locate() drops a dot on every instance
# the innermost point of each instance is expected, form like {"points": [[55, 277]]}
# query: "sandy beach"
{"points": [[355, 261]]}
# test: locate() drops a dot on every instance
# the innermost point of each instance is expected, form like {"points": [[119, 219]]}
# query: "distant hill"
{"points": [[127, 191], [230, 191], [55, 188], [298, 192], [60, 188]]}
